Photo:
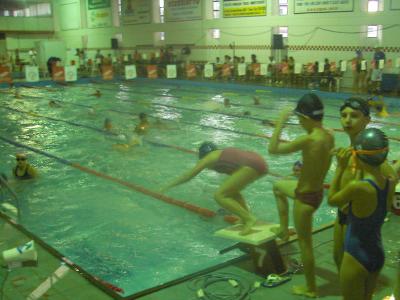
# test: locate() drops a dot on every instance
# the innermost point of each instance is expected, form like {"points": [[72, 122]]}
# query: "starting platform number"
{"points": [[396, 201]]}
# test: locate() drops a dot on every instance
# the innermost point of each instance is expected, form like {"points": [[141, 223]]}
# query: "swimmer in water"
{"points": [[96, 94], [23, 170], [227, 102], [17, 93], [54, 104], [242, 167], [256, 100], [379, 105], [143, 126], [108, 126]]}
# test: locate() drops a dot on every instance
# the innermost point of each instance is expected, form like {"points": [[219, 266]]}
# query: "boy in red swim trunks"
{"points": [[243, 168], [315, 147]]}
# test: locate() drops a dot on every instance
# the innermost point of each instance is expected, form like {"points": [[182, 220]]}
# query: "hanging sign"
{"points": [[31, 73], [208, 70], [135, 11], [244, 8], [183, 10], [322, 6], [107, 72], [99, 13], [191, 71], [171, 71], [263, 69], [70, 73], [241, 69], [130, 72], [152, 71]]}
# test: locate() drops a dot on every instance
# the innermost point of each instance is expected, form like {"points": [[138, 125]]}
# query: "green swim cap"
{"points": [[206, 148], [372, 146]]}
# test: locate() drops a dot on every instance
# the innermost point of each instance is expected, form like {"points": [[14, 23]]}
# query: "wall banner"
{"points": [[171, 71], [136, 11], [31, 74], [99, 13], [182, 10], [322, 6], [130, 72], [208, 70], [244, 8], [70, 73], [394, 4]]}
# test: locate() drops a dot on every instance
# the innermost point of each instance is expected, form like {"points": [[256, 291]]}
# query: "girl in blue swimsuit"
{"points": [[368, 201]]}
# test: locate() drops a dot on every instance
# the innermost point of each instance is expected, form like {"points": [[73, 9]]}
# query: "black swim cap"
{"points": [[356, 103], [310, 105], [375, 142], [206, 148]]}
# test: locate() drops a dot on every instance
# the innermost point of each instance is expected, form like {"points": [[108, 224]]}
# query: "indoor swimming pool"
{"points": [[100, 206]]}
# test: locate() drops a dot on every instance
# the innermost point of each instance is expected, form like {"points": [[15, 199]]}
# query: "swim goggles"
{"points": [[354, 153], [355, 104]]}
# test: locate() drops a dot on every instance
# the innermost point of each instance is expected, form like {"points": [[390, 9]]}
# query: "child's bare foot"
{"points": [[247, 226], [303, 291], [280, 233]]}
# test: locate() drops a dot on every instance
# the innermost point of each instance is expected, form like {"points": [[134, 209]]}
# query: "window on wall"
{"points": [[216, 9], [215, 33], [284, 30], [372, 31], [161, 11], [36, 10], [373, 5], [119, 4], [162, 36], [283, 7]]}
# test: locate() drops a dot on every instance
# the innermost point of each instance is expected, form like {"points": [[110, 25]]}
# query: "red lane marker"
{"points": [[193, 208]]}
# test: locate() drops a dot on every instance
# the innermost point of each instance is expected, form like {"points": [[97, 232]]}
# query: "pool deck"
{"points": [[22, 281]]}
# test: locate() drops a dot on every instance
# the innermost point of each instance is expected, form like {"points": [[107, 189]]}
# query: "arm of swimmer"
{"points": [[341, 198], [200, 166], [32, 172], [278, 147]]}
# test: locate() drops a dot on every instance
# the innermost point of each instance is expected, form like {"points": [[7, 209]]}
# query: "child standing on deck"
{"points": [[315, 147]]}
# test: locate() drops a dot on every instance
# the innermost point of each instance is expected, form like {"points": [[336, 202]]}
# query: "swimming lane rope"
{"points": [[260, 107], [205, 212]]}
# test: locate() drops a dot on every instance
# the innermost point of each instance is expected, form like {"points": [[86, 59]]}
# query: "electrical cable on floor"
{"points": [[229, 287], [3, 284]]}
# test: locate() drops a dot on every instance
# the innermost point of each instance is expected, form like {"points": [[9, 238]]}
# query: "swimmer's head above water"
{"points": [[297, 166], [206, 148]]}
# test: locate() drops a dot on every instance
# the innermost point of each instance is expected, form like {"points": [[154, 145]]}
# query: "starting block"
{"points": [[264, 251]]}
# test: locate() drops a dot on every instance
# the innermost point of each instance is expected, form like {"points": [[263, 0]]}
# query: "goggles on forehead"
{"points": [[354, 104]]}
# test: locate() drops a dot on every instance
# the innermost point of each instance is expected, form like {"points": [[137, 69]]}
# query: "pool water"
{"points": [[120, 234]]}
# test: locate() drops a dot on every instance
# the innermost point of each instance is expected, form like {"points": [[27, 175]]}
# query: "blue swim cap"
{"points": [[206, 148], [372, 146]]}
